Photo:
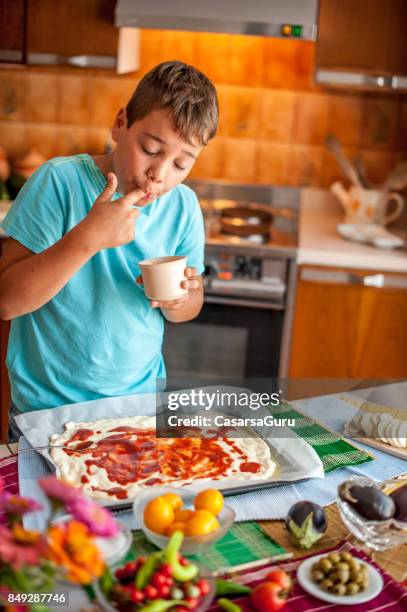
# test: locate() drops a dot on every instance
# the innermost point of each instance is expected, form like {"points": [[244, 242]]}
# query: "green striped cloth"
{"points": [[243, 543], [334, 451]]}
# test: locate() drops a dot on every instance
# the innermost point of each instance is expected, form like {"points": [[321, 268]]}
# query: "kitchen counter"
{"points": [[319, 244]]}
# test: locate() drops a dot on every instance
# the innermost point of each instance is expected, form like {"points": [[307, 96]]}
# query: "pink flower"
{"points": [[19, 553], [15, 506], [59, 490], [99, 520]]}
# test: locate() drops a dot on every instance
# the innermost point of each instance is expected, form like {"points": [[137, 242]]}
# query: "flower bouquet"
{"points": [[31, 562]]}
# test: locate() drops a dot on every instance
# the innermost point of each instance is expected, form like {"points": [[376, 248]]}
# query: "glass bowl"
{"points": [[109, 606], [378, 535], [191, 545]]}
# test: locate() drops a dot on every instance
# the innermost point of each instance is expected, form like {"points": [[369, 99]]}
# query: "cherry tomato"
{"points": [[166, 569], [151, 592], [163, 591], [203, 585], [268, 597], [280, 577], [159, 579], [136, 596]]}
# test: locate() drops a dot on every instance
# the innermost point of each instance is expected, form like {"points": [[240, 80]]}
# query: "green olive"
{"points": [[345, 556], [327, 584], [339, 589], [343, 565], [334, 558], [334, 576], [343, 576], [315, 566], [359, 577], [325, 565], [354, 564], [317, 575], [352, 588]]}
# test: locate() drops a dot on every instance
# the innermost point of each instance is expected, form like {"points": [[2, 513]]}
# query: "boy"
{"points": [[82, 327]]}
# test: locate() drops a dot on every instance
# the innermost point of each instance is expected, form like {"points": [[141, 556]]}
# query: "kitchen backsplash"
{"points": [[273, 119]]}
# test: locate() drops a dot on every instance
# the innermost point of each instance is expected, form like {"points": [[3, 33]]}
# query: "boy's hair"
{"points": [[187, 93]]}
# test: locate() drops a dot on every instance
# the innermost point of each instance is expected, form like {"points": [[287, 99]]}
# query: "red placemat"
{"points": [[393, 597], [9, 473]]}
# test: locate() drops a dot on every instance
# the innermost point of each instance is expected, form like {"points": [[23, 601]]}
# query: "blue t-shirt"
{"points": [[98, 337]]}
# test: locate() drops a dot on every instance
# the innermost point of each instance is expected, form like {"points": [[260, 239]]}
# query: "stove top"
{"points": [[281, 234]]}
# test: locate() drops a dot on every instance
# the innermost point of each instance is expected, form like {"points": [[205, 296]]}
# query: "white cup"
{"points": [[162, 277]]}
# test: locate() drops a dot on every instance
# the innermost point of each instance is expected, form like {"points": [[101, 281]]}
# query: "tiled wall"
{"points": [[273, 119]]}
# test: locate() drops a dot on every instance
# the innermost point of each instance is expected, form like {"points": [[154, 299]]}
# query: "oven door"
{"points": [[230, 338]]}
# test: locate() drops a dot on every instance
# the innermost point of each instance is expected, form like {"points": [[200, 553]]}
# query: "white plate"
{"points": [[374, 588]]}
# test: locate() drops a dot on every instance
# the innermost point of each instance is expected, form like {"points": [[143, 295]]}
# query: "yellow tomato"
{"points": [[205, 515], [173, 499], [183, 515], [158, 515], [200, 525], [210, 499], [175, 527]]}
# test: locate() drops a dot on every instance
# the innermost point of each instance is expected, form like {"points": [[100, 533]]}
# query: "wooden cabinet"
{"points": [[71, 28], [80, 33], [363, 35], [349, 324], [12, 31]]}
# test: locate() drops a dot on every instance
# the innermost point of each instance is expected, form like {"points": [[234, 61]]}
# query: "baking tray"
{"points": [[296, 459]]}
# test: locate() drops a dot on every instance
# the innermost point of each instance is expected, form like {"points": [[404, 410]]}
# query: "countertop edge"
{"points": [[320, 245]]}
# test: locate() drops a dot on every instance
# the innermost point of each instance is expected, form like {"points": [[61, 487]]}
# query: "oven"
{"points": [[244, 327]]}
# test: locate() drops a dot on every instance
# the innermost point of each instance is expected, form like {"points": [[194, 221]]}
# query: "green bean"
{"points": [[147, 570], [182, 573], [227, 587], [160, 605], [229, 606]]}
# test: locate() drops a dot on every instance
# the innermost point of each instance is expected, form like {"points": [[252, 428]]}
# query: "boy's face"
{"points": [[151, 155]]}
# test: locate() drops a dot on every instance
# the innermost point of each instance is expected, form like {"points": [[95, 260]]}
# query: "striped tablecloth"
{"points": [[392, 598]]}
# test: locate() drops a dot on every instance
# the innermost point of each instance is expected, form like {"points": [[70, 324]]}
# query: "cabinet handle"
{"points": [[338, 277]]}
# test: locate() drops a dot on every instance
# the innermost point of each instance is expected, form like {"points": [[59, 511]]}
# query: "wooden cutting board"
{"points": [[367, 406], [382, 446]]}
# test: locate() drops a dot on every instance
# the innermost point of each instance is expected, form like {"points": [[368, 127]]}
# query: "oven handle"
{"points": [[232, 301]]}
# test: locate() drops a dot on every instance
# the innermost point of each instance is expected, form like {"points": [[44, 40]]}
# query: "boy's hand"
{"points": [[111, 224], [192, 284]]}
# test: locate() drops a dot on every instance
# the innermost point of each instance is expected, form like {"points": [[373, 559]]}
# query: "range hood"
{"points": [[280, 18]]}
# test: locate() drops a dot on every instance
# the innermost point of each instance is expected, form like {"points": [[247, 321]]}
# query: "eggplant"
{"points": [[306, 523], [368, 501], [399, 496]]}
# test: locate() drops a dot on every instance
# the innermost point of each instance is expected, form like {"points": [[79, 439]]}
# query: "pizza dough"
{"points": [[113, 458]]}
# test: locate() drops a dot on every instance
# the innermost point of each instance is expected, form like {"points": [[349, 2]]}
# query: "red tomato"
{"points": [[280, 577], [267, 597]]}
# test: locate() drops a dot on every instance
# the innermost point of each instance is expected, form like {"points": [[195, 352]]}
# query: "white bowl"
{"points": [[190, 545]]}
